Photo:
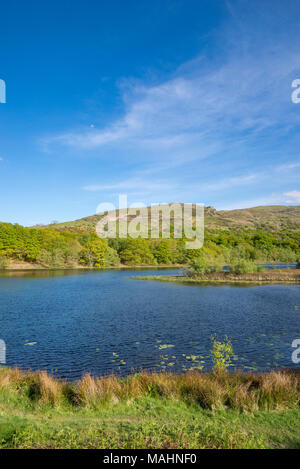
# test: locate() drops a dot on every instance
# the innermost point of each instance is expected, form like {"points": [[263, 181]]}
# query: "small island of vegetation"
{"points": [[202, 271]]}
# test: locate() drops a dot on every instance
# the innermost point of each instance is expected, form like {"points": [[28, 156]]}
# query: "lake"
{"points": [[72, 322]]}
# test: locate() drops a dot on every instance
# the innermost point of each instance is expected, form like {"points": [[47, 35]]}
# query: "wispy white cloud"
{"points": [[230, 182], [239, 100], [143, 181], [130, 185], [294, 197], [234, 108], [147, 184], [271, 199], [288, 166]]}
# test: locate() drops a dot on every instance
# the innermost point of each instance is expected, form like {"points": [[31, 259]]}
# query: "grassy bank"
{"points": [[268, 276], [191, 410]]}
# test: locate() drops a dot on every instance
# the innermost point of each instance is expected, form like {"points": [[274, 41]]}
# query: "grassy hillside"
{"points": [[192, 410], [273, 217]]}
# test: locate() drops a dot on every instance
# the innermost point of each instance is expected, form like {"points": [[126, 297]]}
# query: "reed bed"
{"points": [[245, 392]]}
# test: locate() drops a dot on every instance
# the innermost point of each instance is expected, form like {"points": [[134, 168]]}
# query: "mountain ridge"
{"points": [[269, 217]]}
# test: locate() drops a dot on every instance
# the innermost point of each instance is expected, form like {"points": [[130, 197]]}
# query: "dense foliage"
{"points": [[50, 248]]}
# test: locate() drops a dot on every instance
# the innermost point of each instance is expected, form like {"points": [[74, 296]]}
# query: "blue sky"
{"points": [[165, 101]]}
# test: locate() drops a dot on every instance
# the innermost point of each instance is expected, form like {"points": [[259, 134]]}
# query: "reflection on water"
{"points": [[272, 266], [40, 273], [71, 322]]}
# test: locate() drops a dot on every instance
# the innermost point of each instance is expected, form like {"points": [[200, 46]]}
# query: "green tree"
{"points": [[111, 257], [72, 252], [165, 251], [3, 262], [137, 252], [94, 252]]}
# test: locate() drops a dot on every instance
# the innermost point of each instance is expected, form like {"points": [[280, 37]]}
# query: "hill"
{"points": [[272, 217]]}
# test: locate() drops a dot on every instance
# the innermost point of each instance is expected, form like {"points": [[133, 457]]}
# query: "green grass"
{"points": [[192, 410], [148, 423]]}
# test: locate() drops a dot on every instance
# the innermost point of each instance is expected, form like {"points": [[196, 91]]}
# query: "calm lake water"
{"points": [[73, 322]]}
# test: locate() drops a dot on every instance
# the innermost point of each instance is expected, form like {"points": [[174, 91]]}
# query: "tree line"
{"points": [[54, 249]]}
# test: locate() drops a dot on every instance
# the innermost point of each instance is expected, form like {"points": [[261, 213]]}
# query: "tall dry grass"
{"points": [[246, 392]]}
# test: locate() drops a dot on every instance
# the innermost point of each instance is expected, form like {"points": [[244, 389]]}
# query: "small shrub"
{"points": [[201, 266], [3, 262], [221, 354], [49, 388], [278, 391], [245, 267]]}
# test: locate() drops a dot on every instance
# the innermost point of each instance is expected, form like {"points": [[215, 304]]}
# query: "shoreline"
{"points": [[27, 266], [279, 276], [20, 266]]}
